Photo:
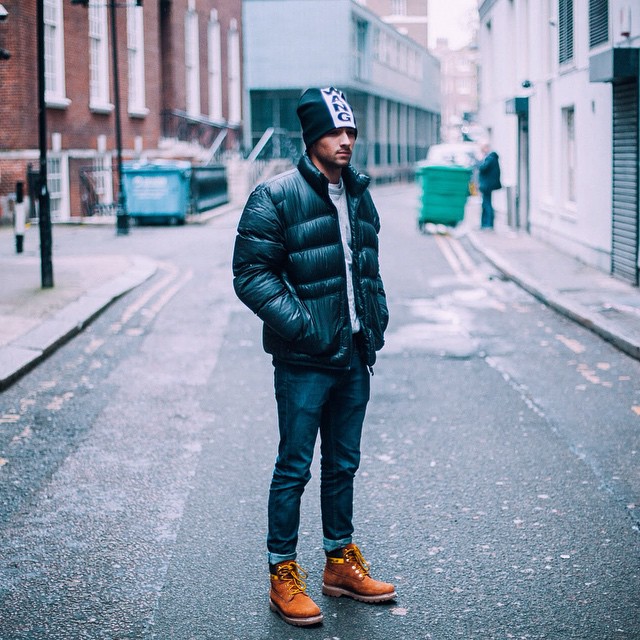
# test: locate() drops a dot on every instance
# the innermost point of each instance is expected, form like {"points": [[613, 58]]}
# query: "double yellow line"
{"points": [[455, 254]]}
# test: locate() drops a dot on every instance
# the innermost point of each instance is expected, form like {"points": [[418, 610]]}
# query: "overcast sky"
{"points": [[451, 19]]}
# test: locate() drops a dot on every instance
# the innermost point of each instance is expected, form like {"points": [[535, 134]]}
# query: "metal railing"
{"points": [[95, 199], [218, 137], [275, 147]]}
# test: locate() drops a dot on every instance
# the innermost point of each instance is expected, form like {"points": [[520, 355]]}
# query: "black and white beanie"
{"points": [[321, 110]]}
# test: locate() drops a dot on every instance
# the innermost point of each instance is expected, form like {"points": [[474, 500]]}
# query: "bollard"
{"points": [[19, 217]]}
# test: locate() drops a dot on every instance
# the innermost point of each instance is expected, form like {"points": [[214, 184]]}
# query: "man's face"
{"points": [[334, 149]]}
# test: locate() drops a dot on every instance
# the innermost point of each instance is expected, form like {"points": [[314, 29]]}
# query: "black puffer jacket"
{"points": [[289, 267]]}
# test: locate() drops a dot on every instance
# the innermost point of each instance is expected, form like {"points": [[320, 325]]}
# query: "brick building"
{"points": [[459, 91], [180, 90], [409, 17]]}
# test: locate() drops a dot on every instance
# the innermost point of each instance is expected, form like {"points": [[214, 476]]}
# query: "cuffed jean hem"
{"points": [[276, 558], [332, 545]]}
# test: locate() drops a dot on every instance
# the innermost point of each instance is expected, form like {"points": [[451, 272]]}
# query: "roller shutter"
{"points": [[624, 250]]}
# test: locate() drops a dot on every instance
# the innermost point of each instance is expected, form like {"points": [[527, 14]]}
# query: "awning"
{"points": [[614, 65], [517, 106]]}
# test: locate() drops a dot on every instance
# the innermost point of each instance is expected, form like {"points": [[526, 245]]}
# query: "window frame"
{"points": [[214, 67], [399, 7], [598, 23], [570, 156], [566, 32], [135, 59], [58, 185], [55, 83], [192, 62], [234, 79], [99, 90]]}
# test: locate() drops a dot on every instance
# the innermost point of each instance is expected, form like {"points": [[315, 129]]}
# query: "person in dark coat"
{"points": [[306, 262], [488, 182]]}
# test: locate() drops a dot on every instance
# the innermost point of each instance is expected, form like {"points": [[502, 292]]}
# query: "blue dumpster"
{"points": [[158, 191]]}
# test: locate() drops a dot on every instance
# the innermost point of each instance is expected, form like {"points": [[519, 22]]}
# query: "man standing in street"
{"points": [[306, 262], [488, 182]]}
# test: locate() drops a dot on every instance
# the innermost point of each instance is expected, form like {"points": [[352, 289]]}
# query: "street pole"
{"points": [[44, 213], [122, 217]]}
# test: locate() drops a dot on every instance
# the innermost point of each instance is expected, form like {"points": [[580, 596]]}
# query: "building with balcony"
{"points": [[180, 81], [559, 97], [391, 81]]}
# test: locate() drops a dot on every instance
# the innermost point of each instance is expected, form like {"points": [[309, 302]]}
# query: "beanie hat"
{"points": [[322, 110]]}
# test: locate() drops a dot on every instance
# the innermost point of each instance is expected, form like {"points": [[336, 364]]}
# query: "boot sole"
{"points": [[296, 622], [336, 592]]}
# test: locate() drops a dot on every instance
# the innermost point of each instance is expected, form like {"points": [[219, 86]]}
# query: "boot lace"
{"points": [[354, 555], [294, 576]]}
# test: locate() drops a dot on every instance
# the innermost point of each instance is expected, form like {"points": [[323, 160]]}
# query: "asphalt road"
{"points": [[497, 488]]}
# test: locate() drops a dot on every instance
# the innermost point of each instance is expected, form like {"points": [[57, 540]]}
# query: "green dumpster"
{"points": [[444, 194], [158, 191]]}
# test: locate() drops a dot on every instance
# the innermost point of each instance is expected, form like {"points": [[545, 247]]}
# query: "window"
{"points": [[215, 68], [135, 51], [192, 62], [565, 31], [463, 86], [360, 54], [55, 182], [548, 141], [103, 178], [399, 7], [54, 54], [381, 46], [569, 151], [235, 87], [598, 22], [98, 57]]}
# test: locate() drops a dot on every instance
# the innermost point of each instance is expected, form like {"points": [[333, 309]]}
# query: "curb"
{"points": [[554, 300], [23, 354], [191, 218]]}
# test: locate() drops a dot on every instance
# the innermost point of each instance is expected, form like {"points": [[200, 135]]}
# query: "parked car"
{"points": [[454, 154]]}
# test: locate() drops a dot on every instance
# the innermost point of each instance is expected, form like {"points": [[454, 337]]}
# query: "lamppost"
{"points": [[122, 217], [44, 212]]}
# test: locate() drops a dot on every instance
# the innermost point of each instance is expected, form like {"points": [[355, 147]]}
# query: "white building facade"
{"points": [[391, 81], [559, 98]]}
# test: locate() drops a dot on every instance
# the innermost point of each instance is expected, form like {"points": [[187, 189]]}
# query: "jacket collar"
{"points": [[355, 183]]}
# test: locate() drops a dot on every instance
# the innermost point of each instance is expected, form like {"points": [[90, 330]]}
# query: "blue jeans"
{"points": [[310, 400], [486, 221]]}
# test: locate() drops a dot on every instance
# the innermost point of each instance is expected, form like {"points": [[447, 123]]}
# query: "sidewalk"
{"points": [[34, 321], [599, 302]]}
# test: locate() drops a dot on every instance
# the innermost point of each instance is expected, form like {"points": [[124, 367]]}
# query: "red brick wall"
{"points": [[174, 89], [18, 77], [77, 124]]}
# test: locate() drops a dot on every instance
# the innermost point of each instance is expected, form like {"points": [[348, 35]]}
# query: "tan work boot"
{"points": [[349, 576], [287, 596]]}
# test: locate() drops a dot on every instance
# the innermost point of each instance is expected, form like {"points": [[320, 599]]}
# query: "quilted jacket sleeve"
{"points": [[382, 296], [259, 268]]}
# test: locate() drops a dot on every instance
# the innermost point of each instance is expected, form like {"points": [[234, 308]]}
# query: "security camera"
{"points": [[3, 13], [526, 84]]}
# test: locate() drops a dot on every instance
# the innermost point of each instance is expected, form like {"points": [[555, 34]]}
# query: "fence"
{"points": [[96, 192], [217, 137]]}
